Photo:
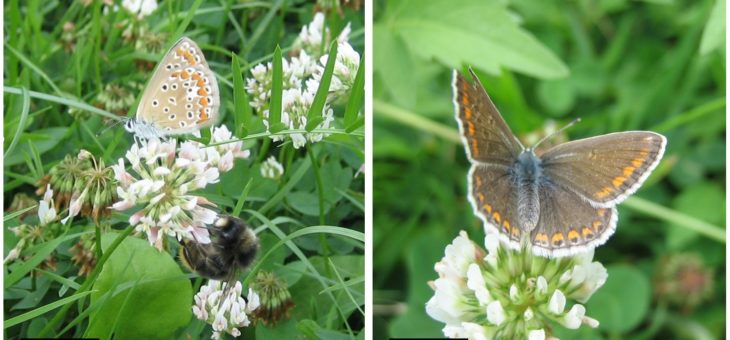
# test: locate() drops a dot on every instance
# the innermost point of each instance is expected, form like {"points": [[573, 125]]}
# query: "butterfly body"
{"points": [[181, 97], [561, 201]]}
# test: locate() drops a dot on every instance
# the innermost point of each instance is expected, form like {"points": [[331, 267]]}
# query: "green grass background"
{"points": [[618, 65], [310, 222]]}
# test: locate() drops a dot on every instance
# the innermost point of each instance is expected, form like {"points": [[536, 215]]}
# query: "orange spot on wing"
{"points": [[196, 76], [488, 208], [629, 170], [573, 235], [601, 212], [202, 92], [481, 197], [465, 97], [185, 75], [471, 128], [541, 238], [474, 147], [204, 101], [587, 233], [637, 162], [497, 217], [618, 181], [557, 238], [506, 226], [515, 232], [596, 225], [603, 193], [479, 181], [201, 83], [467, 113]]}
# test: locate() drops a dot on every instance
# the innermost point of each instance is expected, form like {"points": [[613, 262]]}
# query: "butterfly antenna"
{"points": [[110, 126], [555, 133]]}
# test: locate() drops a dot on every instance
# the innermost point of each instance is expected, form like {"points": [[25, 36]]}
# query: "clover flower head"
{"points": [[302, 75], [141, 8], [271, 168], [225, 313], [163, 181], [506, 293]]}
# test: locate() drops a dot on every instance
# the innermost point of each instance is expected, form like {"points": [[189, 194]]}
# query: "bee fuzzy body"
{"points": [[233, 245]]}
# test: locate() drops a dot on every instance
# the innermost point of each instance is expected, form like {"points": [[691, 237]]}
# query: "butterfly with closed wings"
{"points": [[181, 97], [561, 201]]}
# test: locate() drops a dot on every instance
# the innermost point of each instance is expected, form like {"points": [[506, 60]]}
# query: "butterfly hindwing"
{"points": [[492, 195], [568, 223], [486, 136], [605, 169], [182, 95]]}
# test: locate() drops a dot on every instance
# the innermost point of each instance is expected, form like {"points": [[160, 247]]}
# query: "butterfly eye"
{"points": [[163, 87], [168, 67], [155, 103], [172, 116]]}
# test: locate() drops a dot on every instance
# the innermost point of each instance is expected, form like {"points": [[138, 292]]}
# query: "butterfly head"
{"points": [[129, 125]]}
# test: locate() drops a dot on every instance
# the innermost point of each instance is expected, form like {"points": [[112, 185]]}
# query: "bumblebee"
{"points": [[233, 245]]}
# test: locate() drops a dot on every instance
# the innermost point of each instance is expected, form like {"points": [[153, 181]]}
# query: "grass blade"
{"points": [[277, 85], [242, 113], [21, 124], [357, 95], [314, 116]]}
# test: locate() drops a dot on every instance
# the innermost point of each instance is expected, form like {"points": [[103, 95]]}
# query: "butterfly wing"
{"points": [[486, 136], [492, 195], [568, 223], [182, 95], [606, 169]]}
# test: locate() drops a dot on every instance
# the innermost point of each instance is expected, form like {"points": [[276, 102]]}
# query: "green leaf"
{"points": [[623, 301], [151, 297], [357, 95], [479, 33], [242, 115], [314, 116], [277, 88], [393, 64], [43, 140], [713, 36]]}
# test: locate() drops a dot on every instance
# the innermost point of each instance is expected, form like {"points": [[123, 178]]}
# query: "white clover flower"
{"points": [[343, 77], [506, 293], [141, 8], [164, 181], [224, 313], [46, 210], [302, 76], [271, 168]]}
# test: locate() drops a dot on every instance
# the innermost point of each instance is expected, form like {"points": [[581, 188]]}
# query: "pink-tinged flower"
{"points": [[163, 180]]}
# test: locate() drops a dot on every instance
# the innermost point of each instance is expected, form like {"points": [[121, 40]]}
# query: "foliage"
{"points": [[70, 70], [618, 65]]}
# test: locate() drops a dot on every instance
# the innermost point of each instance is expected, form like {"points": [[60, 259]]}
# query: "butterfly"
{"points": [[561, 201], [181, 97]]}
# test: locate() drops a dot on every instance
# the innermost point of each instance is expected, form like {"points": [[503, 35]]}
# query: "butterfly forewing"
{"points": [[568, 223], [182, 95], [486, 136], [604, 169], [492, 197]]}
